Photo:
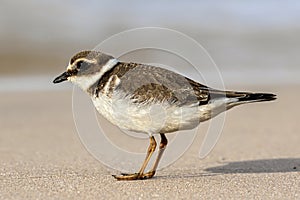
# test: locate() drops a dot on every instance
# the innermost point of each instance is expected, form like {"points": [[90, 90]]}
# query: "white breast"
{"points": [[157, 118]]}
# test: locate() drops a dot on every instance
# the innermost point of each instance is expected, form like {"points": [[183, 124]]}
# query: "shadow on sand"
{"points": [[282, 165], [258, 166]]}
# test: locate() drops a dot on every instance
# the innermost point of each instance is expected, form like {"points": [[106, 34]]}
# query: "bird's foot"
{"points": [[135, 176], [148, 175]]}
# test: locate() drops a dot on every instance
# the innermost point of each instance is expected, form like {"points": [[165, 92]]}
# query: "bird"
{"points": [[125, 92]]}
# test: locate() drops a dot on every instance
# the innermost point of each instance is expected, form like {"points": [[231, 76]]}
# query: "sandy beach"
{"points": [[257, 156], [252, 46]]}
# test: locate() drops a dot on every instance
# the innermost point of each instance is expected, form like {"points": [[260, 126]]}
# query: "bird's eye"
{"points": [[79, 64]]}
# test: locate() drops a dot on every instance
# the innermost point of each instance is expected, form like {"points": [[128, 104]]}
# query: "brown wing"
{"points": [[146, 83]]}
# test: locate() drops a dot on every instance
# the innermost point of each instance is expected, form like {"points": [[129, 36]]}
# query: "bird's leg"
{"points": [[162, 147], [140, 174]]}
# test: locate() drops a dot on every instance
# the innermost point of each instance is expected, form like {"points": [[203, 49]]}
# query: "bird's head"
{"points": [[86, 67]]}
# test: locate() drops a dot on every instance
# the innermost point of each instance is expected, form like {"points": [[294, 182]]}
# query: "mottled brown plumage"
{"points": [[146, 83], [138, 87]]}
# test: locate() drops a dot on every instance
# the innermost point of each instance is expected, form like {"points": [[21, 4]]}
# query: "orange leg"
{"points": [[151, 149], [140, 174]]}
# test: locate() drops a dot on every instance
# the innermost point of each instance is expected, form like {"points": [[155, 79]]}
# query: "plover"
{"points": [[125, 92]]}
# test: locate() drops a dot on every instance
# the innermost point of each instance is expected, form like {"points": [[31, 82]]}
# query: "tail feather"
{"points": [[256, 97], [247, 97]]}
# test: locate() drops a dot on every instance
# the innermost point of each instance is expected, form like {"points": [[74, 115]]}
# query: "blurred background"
{"points": [[254, 41], [256, 46]]}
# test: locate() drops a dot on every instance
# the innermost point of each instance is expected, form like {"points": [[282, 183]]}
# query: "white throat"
{"points": [[85, 82]]}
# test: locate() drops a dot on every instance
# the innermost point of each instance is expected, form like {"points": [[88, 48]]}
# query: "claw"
{"points": [[127, 177], [148, 175], [126, 174], [135, 176]]}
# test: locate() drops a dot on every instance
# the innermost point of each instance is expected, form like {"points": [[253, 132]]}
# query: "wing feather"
{"points": [[146, 83]]}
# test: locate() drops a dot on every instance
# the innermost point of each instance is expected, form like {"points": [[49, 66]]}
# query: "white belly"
{"points": [[157, 118]]}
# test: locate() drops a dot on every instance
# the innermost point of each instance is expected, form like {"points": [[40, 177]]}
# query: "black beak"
{"points": [[63, 77]]}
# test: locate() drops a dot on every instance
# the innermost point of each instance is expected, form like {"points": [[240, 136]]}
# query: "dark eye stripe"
{"points": [[79, 64]]}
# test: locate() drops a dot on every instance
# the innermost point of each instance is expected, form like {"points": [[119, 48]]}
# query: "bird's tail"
{"points": [[247, 97], [257, 97]]}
